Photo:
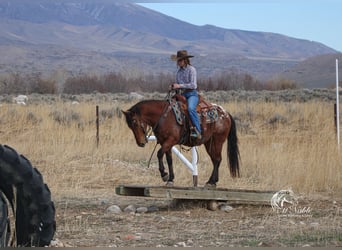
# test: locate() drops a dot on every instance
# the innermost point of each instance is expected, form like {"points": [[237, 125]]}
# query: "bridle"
{"points": [[148, 133]]}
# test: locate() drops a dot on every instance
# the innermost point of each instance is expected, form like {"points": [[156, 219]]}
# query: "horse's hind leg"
{"points": [[214, 151], [169, 163], [163, 174]]}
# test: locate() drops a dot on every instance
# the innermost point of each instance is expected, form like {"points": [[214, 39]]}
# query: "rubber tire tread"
{"points": [[34, 211], [3, 221]]}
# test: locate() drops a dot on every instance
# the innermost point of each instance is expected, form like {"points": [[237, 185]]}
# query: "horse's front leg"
{"points": [[163, 174], [169, 163]]}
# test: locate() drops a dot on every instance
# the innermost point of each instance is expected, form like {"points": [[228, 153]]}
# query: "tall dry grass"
{"points": [[282, 145]]}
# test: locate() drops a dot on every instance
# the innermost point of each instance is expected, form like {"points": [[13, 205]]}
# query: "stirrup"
{"points": [[195, 134]]}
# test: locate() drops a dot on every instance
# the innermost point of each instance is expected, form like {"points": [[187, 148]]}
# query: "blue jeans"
{"points": [[192, 99]]}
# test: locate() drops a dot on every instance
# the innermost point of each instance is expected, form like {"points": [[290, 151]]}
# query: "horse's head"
{"points": [[138, 126]]}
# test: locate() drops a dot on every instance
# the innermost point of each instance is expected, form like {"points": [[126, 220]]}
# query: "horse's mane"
{"points": [[136, 110]]}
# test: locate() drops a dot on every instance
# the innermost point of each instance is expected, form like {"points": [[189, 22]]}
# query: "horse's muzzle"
{"points": [[142, 143]]}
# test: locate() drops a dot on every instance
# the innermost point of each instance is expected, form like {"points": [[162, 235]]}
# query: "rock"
{"points": [[114, 209], [189, 242], [128, 237], [181, 244], [142, 210], [152, 208], [130, 209], [138, 237], [225, 208], [213, 205], [56, 243]]}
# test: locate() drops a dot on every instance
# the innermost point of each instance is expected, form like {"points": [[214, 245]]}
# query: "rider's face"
{"points": [[181, 63]]}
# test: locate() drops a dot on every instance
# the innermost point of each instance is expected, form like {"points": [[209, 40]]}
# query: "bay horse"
{"points": [[166, 124]]}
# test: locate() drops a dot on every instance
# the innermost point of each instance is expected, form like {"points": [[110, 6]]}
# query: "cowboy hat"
{"points": [[181, 54]]}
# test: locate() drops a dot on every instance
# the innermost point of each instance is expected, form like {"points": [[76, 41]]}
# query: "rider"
{"points": [[186, 81]]}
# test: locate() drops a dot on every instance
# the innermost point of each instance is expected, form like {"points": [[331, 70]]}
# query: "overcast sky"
{"points": [[314, 20]]}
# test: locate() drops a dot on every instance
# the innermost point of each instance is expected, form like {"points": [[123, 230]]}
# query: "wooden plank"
{"points": [[236, 196], [198, 193]]}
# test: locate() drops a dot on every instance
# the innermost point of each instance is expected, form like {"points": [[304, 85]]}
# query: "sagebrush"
{"points": [[282, 144]]}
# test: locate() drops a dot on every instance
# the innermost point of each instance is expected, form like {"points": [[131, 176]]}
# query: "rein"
{"points": [[149, 160], [149, 132]]}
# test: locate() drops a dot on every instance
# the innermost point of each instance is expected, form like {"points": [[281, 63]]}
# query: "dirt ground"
{"points": [[85, 222]]}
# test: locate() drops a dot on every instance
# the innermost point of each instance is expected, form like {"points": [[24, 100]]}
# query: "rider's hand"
{"points": [[175, 86]]}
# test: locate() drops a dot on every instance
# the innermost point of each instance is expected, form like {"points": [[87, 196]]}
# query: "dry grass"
{"points": [[282, 144]]}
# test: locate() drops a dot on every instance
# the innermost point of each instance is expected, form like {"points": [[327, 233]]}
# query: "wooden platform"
{"points": [[236, 196]]}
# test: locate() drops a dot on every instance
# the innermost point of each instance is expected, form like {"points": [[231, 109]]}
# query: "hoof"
{"points": [[169, 184], [210, 186], [165, 178]]}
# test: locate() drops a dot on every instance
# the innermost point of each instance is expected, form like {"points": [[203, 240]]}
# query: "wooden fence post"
{"points": [[97, 126]]}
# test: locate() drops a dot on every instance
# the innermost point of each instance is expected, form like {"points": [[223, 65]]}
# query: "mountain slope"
{"points": [[81, 28], [314, 72]]}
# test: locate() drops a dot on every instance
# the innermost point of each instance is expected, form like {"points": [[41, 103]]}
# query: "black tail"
{"points": [[233, 150]]}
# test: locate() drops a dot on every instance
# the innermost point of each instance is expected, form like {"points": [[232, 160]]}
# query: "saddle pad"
{"points": [[177, 111], [211, 115]]}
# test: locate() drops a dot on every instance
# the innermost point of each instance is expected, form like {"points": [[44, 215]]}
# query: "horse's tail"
{"points": [[233, 150]]}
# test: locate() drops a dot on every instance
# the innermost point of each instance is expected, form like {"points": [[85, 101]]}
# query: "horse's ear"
{"points": [[125, 112]]}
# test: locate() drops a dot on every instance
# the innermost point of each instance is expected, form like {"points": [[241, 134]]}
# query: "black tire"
{"points": [[29, 198], [4, 223]]}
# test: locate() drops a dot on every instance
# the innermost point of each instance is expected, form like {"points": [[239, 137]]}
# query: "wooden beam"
{"points": [[245, 196], [198, 193]]}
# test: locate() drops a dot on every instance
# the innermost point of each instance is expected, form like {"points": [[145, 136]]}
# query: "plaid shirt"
{"points": [[187, 77]]}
